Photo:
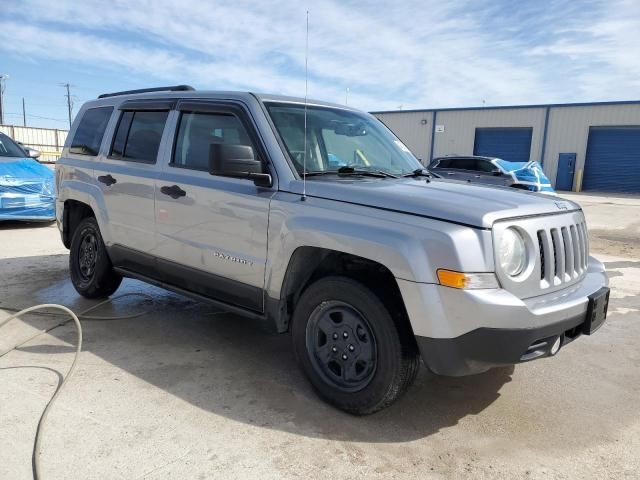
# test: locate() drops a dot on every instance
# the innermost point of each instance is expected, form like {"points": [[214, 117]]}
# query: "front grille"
{"points": [[563, 253]]}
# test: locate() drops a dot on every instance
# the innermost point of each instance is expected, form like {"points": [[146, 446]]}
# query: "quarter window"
{"points": [[443, 164], [138, 136], [485, 166], [90, 131], [198, 131]]}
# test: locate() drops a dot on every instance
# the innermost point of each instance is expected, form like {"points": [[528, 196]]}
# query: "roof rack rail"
{"points": [[174, 88]]}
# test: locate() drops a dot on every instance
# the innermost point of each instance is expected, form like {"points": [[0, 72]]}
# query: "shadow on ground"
{"points": [[229, 365], [21, 224]]}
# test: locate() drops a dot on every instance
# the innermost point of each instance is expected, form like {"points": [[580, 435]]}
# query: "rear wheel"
{"points": [[91, 270], [350, 347]]}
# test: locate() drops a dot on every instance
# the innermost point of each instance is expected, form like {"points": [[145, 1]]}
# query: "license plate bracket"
{"points": [[596, 310]]}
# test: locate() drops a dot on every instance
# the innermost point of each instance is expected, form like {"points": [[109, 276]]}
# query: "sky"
{"points": [[376, 55]]}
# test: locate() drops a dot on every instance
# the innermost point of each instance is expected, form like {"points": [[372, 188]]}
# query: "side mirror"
{"points": [[32, 152], [237, 161]]}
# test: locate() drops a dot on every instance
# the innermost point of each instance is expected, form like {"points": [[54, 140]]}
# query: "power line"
{"points": [[15, 114]]}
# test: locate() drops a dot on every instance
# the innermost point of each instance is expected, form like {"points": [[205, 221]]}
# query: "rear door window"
{"points": [[463, 163], [137, 138], [90, 131]]}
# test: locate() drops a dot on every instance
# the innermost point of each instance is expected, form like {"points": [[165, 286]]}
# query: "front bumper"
{"points": [[462, 332], [485, 348]]}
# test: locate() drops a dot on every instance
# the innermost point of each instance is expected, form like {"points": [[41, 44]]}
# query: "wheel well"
{"points": [[309, 264], [74, 213]]}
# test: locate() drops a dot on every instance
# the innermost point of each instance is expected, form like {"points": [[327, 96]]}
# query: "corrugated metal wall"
{"points": [[568, 131], [48, 140], [460, 128], [413, 128]]}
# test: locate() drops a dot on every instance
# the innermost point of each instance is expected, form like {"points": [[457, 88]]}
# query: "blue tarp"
{"points": [[26, 190], [529, 174]]}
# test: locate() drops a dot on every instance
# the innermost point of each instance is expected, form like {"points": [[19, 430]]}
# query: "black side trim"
{"points": [[174, 88], [210, 285], [481, 349], [222, 305], [186, 279], [133, 260]]}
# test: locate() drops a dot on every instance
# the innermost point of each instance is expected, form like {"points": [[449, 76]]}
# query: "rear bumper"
{"points": [[485, 348]]}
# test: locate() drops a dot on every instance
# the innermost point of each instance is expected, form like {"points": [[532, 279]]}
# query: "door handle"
{"points": [[451, 173], [108, 180], [174, 191]]}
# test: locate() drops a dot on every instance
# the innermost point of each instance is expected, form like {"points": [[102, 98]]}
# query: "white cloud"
{"points": [[413, 53]]}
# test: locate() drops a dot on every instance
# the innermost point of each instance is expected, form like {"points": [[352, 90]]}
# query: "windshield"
{"points": [[9, 148], [340, 138]]}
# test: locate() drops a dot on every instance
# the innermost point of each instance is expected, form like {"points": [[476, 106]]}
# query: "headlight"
{"points": [[512, 252]]}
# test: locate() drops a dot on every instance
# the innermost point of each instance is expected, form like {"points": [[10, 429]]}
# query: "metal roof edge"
{"points": [[504, 107]]}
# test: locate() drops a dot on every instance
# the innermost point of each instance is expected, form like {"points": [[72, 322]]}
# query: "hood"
{"points": [[460, 202], [25, 175]]}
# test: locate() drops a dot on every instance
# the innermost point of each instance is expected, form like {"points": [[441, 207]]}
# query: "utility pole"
{"points": [[3, 78], [69, 100], [24, 114]]}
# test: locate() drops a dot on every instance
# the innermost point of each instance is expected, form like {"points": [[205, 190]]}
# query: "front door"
{"points": [[566, 170], [211, 230]]}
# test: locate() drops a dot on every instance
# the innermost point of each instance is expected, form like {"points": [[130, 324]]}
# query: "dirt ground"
{"points": [[183, 391]]}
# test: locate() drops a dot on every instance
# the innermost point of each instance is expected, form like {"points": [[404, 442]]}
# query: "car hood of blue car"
{"points": [[26, 190]]}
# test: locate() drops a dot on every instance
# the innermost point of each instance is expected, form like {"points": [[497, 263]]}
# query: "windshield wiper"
{"points": [[350, 169], [420, 172]]}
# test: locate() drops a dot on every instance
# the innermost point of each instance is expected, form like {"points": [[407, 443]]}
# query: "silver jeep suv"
{"points": [[315, 218]]}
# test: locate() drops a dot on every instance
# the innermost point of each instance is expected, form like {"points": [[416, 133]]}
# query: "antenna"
{"points": [[306, 93]]}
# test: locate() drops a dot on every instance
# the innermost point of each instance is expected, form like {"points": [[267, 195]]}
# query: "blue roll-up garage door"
{"points": [[513, 144], [613, 160]]}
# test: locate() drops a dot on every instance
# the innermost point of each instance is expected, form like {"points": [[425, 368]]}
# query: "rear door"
{"points": [[127, 179], [211, 229]]}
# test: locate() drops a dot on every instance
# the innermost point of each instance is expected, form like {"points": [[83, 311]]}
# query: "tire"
{"points": [[91, 270], [381, 362]]}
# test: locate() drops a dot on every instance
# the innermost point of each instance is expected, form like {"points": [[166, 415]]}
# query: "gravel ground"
{"points": [[186, 392]]}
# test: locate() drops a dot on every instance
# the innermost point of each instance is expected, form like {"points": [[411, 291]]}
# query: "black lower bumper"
{"points": [[481, 349]]}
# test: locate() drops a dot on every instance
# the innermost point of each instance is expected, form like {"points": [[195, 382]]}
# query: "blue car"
{"points": [[26, 187]]}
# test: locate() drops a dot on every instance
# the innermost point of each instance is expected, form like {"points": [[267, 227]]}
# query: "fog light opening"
{"points": [[556, 346]]}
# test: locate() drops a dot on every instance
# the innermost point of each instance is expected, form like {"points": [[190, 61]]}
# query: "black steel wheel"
{"points": [[87, 255], [351, 348], [341, 345], [91, 270]]}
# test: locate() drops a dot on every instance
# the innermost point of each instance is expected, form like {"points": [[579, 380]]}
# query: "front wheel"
{"points": [[91, 270], [349, 346]]}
